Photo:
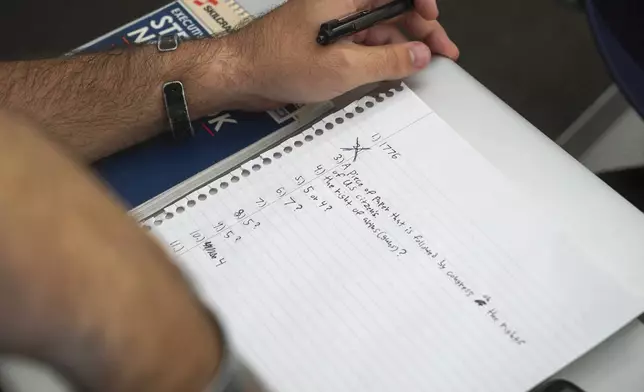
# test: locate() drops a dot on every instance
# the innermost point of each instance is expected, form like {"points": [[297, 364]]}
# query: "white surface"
{"points": [[318, 284], [621, 146], [600, 220], [590, 212]]}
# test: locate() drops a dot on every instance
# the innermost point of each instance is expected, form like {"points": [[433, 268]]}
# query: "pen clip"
{"points": [[335, 29], [353, 16]]}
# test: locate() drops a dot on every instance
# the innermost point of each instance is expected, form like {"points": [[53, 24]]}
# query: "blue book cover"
{"points": [[142, 172], [174, 18]]}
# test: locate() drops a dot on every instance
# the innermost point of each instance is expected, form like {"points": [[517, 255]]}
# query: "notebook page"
{"points": [[378, 251]]}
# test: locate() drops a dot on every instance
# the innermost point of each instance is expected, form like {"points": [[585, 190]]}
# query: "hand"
{"points": [[272, 62], [82, 288], [282, 63]]}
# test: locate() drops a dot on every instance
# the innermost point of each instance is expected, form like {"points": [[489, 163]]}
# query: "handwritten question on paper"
{"points": [[341, 185]]}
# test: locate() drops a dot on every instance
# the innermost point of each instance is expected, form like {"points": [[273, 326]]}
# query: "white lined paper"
{"points": [[318, 301]]}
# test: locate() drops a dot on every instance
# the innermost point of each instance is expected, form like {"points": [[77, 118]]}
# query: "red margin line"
{"points": [[207, 129]]}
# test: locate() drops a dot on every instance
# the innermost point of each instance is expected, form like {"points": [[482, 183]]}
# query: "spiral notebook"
{"points": [[378, 251]]}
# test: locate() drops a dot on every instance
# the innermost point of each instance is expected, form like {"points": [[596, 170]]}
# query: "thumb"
{"points": [[387, 62]]}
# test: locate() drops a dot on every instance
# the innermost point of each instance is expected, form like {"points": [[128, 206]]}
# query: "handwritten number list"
{"points": [[328, 188]]}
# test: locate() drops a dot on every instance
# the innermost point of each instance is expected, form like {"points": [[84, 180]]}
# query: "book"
{"points": [[377, 251]]}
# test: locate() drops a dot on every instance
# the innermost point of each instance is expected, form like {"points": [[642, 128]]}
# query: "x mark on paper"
{"points": [[356, 149]]}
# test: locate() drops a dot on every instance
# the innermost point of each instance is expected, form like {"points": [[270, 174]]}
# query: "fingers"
{"points": [[422, 25], [385, 62], [380, 35], [427, 9], [432, 34]]}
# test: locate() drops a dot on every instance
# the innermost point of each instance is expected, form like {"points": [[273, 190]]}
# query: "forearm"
{"points": [[100, 103], [82, 288]]}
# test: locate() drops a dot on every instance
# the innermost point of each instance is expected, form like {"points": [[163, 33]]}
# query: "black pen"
{"points": [[335, 29]]}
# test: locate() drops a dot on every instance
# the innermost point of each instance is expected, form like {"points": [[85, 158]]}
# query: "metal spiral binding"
{"points": [[287, 147]]}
